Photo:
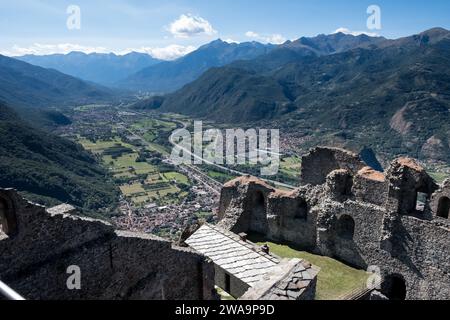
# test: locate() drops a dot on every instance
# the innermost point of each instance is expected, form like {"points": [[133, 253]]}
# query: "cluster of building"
{"points": [[169, 220]]}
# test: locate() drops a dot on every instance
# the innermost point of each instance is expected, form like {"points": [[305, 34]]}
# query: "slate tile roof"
{"points": [[243, 259], [294, 284]]}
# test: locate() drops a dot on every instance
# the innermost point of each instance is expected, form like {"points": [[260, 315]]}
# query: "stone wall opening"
{"points": [[443, 207], [258, 213], [302, 210], [421, 201], [227, 283], [8, 223], [346, 227], [396, 287]]}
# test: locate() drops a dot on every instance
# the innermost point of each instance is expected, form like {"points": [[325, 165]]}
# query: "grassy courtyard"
{"points": [[334, 280]]}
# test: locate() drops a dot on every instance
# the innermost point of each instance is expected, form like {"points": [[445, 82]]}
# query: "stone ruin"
{"points": [[249, 272], [394, 222], [37, 247]]}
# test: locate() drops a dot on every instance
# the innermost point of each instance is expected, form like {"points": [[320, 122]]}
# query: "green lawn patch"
{"points": [[135, 188], [178, 177], [334, 280]]}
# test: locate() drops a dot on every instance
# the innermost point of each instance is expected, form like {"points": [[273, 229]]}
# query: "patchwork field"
{"points": [[141, 182], [291, 166]]}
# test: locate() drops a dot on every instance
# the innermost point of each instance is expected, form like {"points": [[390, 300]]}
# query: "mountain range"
{"points": [[171, 75], [33, 91], [391, 94], [104, 69]]}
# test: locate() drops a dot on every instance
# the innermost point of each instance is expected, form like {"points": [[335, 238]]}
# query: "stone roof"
{"points": [[294, 285], [243, 259], [293, 279]]}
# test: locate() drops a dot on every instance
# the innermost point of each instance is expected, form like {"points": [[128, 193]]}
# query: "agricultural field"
{"points": [[177, 177], [156, 132], [89, 107], [99, 146], [141, 182], [220, 176], [438, 172], [291, 166]]}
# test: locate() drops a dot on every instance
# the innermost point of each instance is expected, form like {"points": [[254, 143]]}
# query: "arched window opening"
{"points": [[396, 288], [346, 227], [421, 201], [259, 200], [443, 208], [301, 212]]}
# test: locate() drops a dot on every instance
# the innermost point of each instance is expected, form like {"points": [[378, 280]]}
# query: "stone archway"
{"points": [[396, 287], [443, 207], [346, 227]]}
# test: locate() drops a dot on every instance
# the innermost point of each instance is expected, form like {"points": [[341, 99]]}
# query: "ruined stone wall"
{"points": [[244, 205], [363, 218], [291, 219], [321, 161], [370, 186], [440, 201], [113, 264]]}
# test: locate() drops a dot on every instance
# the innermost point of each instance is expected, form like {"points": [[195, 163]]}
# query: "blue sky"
{"points": [[171, 28]]}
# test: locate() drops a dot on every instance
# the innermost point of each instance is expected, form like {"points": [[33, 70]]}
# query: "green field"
{"points": [[156, 186], [178, 177], [334, 280], [89, 107], [291, 166], [100, 145], [132, 189], [220, 176], [439, 177], [128, 161], [155, 124]]}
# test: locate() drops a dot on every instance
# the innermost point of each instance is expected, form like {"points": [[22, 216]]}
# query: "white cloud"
{"points": [[273, 38], [188, 25], [171, 52], [45, 49], [251, 34], [355, 33]]}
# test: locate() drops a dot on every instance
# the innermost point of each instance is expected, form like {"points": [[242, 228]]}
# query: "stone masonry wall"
{"points": [[361, 217], [114, 264]]}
